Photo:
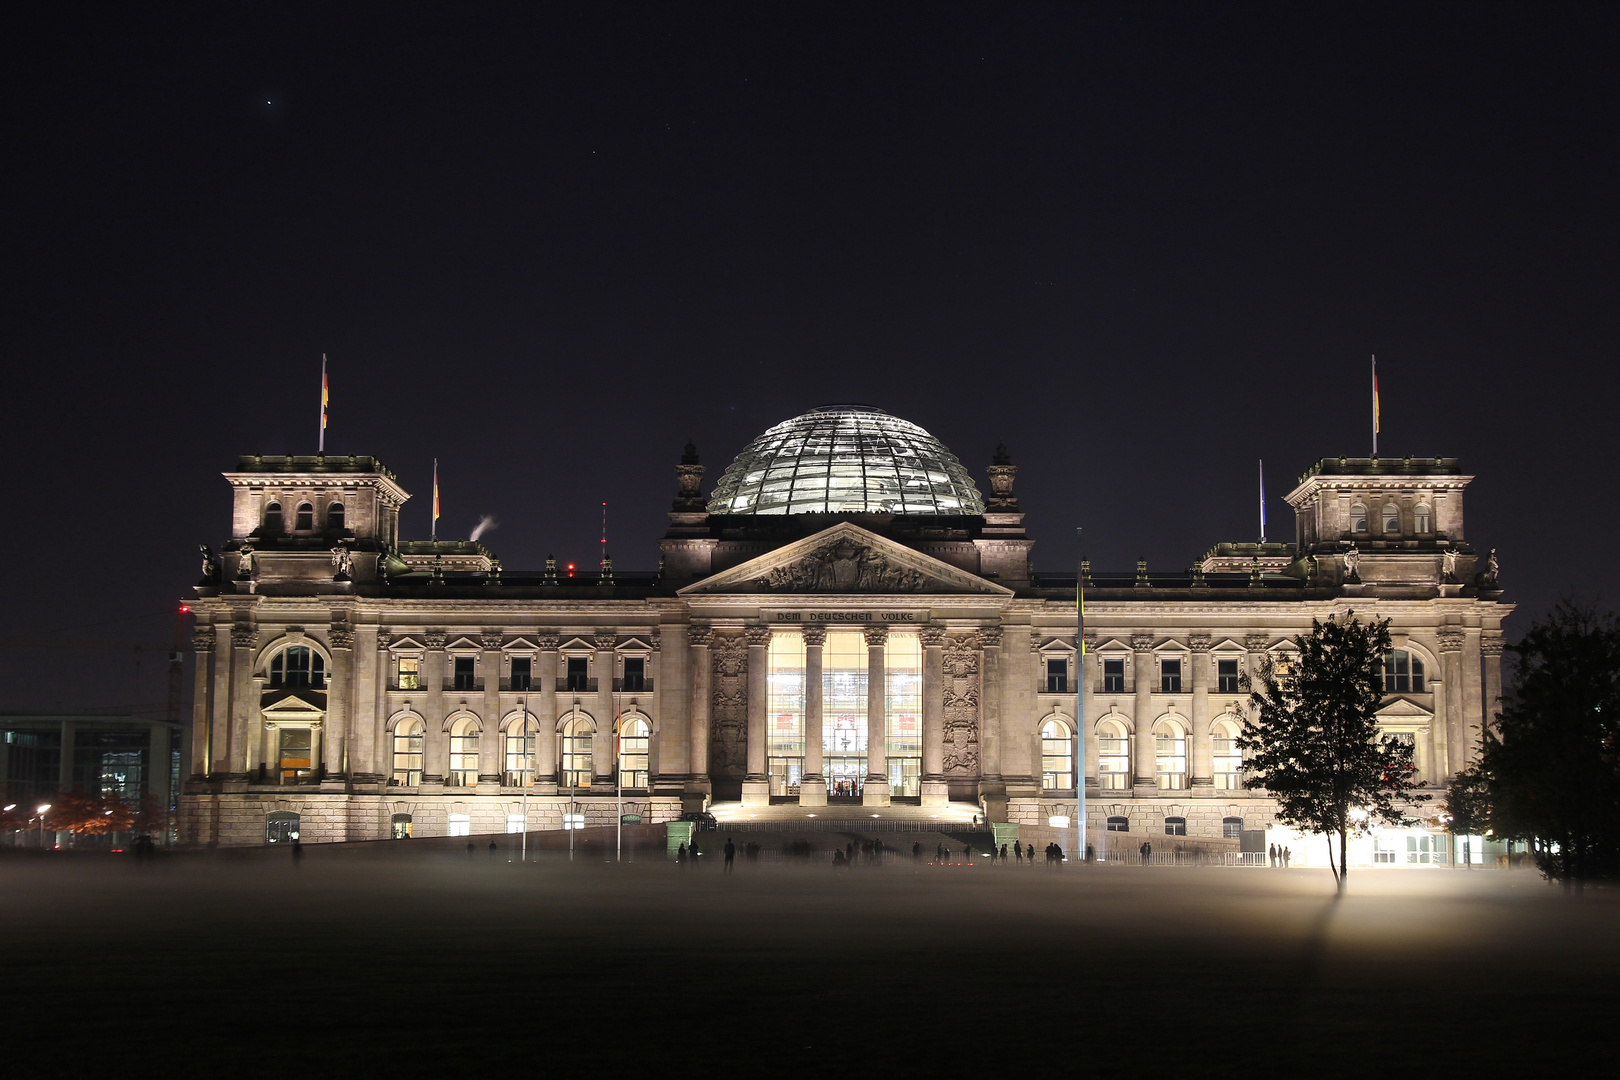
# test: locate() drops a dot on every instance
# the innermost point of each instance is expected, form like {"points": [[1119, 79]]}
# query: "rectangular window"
{"points": [[1169, 676], [1114, 675], [460, 825], [635, 674], [1226, 676], [410, 672], [843, 725], [902, 710], [1057, 676], [521, 672], [466, 677], [578, 673]]}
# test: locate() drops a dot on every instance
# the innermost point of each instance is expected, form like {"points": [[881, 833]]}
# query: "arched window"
{"points": [[280, 827], [1175, 826], [520, 752], [272, 520], [399, 827], [1057, 755], [297, 665], [576, 751], [633, 737], [1392, 518], [1113, 756], [464, 753], [1358, 518], [1403, 673], [306, 518], [1170, 752], [1119, 824], [1228, 758], [1232, 828], [408, 753], [334, 517], [1422, 521]]}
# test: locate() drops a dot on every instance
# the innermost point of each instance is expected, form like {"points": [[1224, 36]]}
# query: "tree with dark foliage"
{"points": [[1467, 812], [1552, 764], [1312, 739]]}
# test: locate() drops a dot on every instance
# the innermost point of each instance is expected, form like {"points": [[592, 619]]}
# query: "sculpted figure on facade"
{"points": [[342, 562], [961, 705], [1449, 564], [843, 566], [1352, 564], [728, 718], [208, 567]]}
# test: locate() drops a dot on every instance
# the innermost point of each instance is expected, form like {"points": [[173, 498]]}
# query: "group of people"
{"points": [[845, 789], [1280, 856]]}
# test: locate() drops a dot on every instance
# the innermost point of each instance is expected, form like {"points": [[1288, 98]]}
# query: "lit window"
{"points": [[1422, 521], [1057, 676], [1170, 752], [1403, 673], [1169, 676], [1114, 675], [784, 711], [633, 739], [334, 517], [464, 753], [298, 665], [576, 755], [410, 672], [399, 827], [520, 752], [1119, 824], [460, 825], [295, 754], [1228, 758], [280, 827], [1232, 828], [1113, 756], [902, 711], [408, 753], [306, 518], [466, 673], [1057, 755], [1358, 518], [516, 823], [1226, 676], [522, 667], [1392, 518], [1175, 826]]}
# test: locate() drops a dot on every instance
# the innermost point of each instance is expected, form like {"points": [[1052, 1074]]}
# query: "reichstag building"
{"points": [[848, 623]]}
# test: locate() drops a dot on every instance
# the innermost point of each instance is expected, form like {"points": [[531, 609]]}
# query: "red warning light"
{"points": [[184, 609], [570, 569]]}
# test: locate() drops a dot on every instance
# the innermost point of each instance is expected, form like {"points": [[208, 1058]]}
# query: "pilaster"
{"points": [[756, 787], [813, 783], [935, 791], [875, 791]]}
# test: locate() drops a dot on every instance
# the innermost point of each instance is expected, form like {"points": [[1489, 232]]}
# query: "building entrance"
{"points": [[905, 777], [845, 776]]}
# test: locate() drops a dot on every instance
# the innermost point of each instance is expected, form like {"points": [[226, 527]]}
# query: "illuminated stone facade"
{"points": [[360, 686]]}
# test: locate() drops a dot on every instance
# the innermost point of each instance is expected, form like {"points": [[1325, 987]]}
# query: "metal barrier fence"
{"points": [[854, 825]]}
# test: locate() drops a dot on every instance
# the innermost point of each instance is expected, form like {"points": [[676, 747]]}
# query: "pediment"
{"points": [[845, 559], [520, 645], [464, 644], [1227, 645], [406, 644], [293, 705], [577, 645], [1402, 709], [634, 644], [1112, 645], [1057, 646]]}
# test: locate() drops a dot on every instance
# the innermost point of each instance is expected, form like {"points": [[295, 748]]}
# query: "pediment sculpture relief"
{"points": [[843, 566]]}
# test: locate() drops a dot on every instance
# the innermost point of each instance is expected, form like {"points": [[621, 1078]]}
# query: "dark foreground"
{"points": [[445, 966]]}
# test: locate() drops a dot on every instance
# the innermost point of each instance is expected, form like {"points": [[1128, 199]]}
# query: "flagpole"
{"points": [[434, 531], [1079, 707], [1375, 405], [1262, 500], [322, 443]]}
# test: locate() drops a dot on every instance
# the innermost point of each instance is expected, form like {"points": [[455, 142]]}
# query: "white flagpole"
{"points": [[1262, 500], [1375, 405], [322, 444]]}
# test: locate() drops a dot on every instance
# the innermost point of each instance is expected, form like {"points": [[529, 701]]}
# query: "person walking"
{"points": [[1287, 858], [492, 851], [731, 854], [916, 851], [1018, 853], [680, 856], [298, 851], [1271, 855], [1004, 854], [472, 852], [692, 855]]}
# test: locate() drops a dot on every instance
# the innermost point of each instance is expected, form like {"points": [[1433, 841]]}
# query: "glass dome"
{"points": [[846, 459]]}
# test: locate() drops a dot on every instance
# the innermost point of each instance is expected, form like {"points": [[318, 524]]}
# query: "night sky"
{"points": [[1144, 244]]}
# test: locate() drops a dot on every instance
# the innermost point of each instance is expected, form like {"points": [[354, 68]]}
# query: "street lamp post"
{"points": [[41, 812]]}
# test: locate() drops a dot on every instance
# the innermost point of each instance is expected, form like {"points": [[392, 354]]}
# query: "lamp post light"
{"points": [[41, 812]]}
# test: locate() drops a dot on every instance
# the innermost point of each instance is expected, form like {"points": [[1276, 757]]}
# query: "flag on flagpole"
{"points": [[325, 397], [1375, 405], [435, 532]]}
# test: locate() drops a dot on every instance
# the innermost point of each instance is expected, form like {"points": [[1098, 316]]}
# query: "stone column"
{"points": [[698, 787], [245, 719], [544, 700], [1473, 690], [1439, 750], [1490, 651], [1146, 757], [224, 704], [435, 742], [670, 699], [756, 788], [603, 767], [1203, 750], [1088, 669], [202, 645], [365, 721], [812, 784], [1451, 643], [876, 789], [935, 791], [490, 736], [339, 689], [992, 785]]}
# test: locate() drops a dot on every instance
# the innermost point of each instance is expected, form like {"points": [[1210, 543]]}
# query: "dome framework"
{"points": [[846, 459]]}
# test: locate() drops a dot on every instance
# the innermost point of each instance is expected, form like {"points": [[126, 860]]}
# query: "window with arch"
{"points": [[408, 752], [334, 517], [1232, 828], [1422, 518], [272, 520], [1113, 756], [576, 751], [464, 753], [1403, 672], [1119, 824], [1392, 518], [520, 751], [298, 665], [1170, 755], [280, 827], [305, 521], [399, 827], [1057, 755], [634, 734], [1175, 826], [1358, 518], [1228, 758]]}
